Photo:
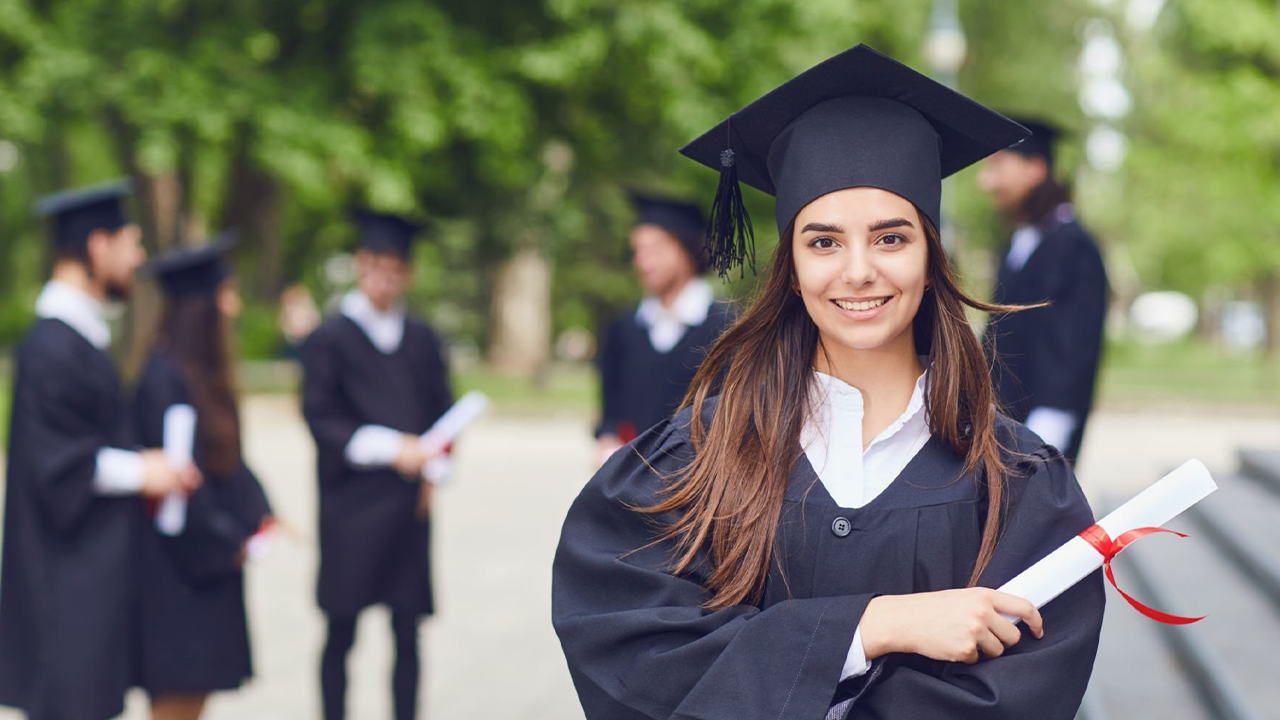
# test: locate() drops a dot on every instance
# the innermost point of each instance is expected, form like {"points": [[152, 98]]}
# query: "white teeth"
{"points": [[868, 305]]}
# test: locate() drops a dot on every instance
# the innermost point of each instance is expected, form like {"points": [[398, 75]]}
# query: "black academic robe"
{"points": [[374, 549], [639, 386], [68, 585], [195, 634], [639, 644], [1048, 357]]}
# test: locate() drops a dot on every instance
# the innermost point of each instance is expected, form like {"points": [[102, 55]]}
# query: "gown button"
{"points": [[841, 527]]}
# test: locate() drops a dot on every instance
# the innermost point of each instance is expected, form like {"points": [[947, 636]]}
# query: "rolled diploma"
{"points": [[179, 442], [1073, 561], [447, 429]]}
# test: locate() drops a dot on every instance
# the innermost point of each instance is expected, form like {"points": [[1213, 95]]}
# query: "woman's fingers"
{"points": [[990, 645], [1018, 607], [1006, 631]]}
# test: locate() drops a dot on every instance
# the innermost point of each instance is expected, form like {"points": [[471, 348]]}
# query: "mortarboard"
{"points": [[193, 270], [75, 214], [858, 119], [1044, 135], [383, 233]]}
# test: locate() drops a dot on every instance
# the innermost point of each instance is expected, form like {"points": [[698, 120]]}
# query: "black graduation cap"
{"points": [[1044, 135], [384, 233], [75, 214], [193, 270], [859, 119], [683, 220]]}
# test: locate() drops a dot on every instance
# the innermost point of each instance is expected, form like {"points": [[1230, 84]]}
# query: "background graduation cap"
{"points": [[1044, 135], [859, 119], [384, 233], [194, 270], [75, 214], [683, 220]]}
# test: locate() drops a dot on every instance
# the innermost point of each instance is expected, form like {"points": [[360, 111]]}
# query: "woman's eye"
{"points": [[892, 240], [823, 243]]}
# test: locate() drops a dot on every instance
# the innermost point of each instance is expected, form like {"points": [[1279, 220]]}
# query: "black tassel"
{"points": [[730, 239]]}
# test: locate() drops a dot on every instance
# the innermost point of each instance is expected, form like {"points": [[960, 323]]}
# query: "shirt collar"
{"points": [[690, 308], [828, 391], [78, 309], [384, 329]]}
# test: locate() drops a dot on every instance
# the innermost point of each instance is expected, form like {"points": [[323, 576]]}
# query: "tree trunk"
{"points": [[254, 207], [521, 332]]}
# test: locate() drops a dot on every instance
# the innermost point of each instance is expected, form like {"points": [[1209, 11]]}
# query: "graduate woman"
{"points": [[194, 634], [817, 536], [374, 380]]}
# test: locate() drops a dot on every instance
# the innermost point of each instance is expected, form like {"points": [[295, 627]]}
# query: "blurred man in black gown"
{"points": [[1044, 361]]}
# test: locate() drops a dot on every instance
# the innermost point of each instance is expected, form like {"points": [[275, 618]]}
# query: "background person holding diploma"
{"points": [[821, 538], [374, 381], [73, 506], [195, 636], [650, 354]]}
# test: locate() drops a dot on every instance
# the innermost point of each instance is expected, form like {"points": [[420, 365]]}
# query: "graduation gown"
{"points": [[195, 635], [639, 644], [373, 547], [1049, 357], [640, 386], [68, 585]]}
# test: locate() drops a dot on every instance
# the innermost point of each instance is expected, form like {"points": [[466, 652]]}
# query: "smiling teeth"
{"points": [[868, 305]]}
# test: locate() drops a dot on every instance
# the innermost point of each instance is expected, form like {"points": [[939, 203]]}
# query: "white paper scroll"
{"points": [[179, 445], [1073, 562], [467, 410]]}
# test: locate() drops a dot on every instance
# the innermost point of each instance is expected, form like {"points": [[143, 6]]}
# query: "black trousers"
{"points": [[404, 681]]}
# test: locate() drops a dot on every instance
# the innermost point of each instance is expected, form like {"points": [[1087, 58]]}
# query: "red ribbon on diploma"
{"points": [[1102, 542]]}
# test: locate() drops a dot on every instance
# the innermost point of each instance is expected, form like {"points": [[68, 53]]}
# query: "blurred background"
{"points": [[515, 127]]}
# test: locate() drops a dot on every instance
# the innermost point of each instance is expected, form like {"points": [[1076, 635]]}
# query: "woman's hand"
{"points": [[949, 625]]}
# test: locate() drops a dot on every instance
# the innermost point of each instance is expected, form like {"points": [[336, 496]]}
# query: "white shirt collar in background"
{"points": [[384, 329], [78, 309], [668, 325], [1025, 241], [832, 440]]}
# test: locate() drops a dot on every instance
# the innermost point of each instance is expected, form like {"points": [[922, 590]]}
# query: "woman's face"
{"points": [[229, 302], [861, 263]]}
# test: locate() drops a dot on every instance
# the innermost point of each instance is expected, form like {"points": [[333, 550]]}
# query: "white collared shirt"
{"points": [[384, 329], [116, 471], [374, 446], [832, 441], [1025, 241], [78, 309], [668, 325]]}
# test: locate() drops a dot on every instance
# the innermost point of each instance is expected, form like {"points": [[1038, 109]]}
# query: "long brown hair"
{"points": [[729, 498], [199, 337]]}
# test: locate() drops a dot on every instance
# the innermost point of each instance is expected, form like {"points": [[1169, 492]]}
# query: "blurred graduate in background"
{"points": [[1044, 361], [649, 355], [73, 506], [194, 633], [375, 379]]}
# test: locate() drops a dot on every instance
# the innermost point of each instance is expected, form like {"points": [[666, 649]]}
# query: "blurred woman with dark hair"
{"points": [[195, 637], [817, 534]]}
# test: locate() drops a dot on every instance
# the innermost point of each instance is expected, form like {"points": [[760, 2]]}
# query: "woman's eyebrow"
{"points": [[823, 227], [889, 223]]}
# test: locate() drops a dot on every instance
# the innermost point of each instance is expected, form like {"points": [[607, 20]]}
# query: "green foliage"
{"points": [[257, 334], [514, 124]]}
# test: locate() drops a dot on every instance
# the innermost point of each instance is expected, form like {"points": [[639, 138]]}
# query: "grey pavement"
{"points": [[491, 653]]}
